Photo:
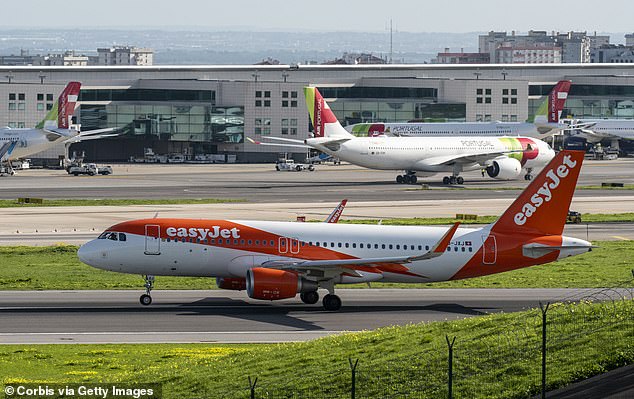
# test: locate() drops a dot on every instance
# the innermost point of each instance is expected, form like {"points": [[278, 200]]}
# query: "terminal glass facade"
{"points": [[389, 104], [591, 101], [175, 115]]}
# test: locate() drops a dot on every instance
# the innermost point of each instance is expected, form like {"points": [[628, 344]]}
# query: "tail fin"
{"points": [[59, 116], [325, 123], [550, 109], [542, 207]]}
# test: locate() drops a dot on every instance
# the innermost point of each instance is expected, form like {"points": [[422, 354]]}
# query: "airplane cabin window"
{"points": [[272, 243]]}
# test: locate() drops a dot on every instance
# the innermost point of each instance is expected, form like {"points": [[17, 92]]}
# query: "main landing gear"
{"points": [[146, 299], [309, 298], [452, 180], [331, 302], [528, 176], [408, 178]]}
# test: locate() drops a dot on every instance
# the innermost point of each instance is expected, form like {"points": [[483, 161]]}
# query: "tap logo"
{"points": [[194, 232], [546, 191]]}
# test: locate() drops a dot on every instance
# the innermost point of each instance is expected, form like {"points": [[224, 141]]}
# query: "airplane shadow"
{"points": [[297, 316]]}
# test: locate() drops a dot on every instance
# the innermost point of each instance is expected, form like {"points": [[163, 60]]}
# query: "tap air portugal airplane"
{"points": [[278, 260], [54, 129], [545, 124], [503, 157]]}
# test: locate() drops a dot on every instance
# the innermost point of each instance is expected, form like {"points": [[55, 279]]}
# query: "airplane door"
{"points": [[489, 250], [283, 245], [294, 245], [152, 239]]}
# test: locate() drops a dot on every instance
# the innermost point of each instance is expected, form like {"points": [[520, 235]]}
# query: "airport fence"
{"points": [[547, 348]]}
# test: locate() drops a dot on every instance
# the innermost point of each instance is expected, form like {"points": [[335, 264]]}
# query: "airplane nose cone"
{"points": [[88, 253]]}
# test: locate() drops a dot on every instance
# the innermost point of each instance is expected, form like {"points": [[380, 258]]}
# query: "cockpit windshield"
{"points": [[111, 235]]}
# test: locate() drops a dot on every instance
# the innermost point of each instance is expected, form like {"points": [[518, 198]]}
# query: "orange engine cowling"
{"points": [[271, 284], [227, 283]]}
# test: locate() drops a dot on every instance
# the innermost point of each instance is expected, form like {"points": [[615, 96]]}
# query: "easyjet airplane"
{"points": [[277, 260]]}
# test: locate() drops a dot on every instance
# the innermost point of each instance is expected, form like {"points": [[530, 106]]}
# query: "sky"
{"points": [[325, 15]]}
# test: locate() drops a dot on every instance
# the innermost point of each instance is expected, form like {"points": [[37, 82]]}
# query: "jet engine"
{"points": [[235, 284], [271, 284], [505, 169]]}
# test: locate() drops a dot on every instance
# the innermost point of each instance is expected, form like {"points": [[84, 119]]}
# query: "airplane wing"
{"points": [[300, 264], [482, 158], [77, 139], [300, 144]]}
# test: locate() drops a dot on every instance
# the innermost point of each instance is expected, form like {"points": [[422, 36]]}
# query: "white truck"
{"points": [[290, 166], [90, 169]]}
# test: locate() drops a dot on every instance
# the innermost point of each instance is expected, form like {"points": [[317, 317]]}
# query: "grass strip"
{"points": [[496, 356], [58, 268]]}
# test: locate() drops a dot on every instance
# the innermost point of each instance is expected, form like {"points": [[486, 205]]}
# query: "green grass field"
{"points": [[115, 202], [58, 268], [496, 356]]}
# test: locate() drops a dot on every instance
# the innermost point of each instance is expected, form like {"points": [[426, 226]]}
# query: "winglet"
{"points": [[336, 213], [440, 246]]}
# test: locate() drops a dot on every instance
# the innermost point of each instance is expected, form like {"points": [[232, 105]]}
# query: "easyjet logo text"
{"points": [[545, 192], [203, 234]]}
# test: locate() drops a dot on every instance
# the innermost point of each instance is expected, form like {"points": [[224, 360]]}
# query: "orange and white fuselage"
{"points": [[276, 260]]}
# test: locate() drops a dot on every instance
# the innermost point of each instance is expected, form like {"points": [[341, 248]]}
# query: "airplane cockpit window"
{"points": [[122, 237], [103, 235], [113, 237]]}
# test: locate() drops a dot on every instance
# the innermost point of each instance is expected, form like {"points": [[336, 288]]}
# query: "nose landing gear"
{"points": [[146, 299]]}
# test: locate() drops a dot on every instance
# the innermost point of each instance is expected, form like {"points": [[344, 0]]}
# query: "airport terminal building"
{"points": [[194, 110]]}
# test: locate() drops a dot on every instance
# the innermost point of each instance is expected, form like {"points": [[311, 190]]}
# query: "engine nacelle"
{"points": [[272, 284], [235, 284], [505, 169]]}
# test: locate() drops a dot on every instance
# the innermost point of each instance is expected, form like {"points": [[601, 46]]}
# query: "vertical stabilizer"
{"points": [[551, 108], [543, 206], [59, 116], [325, 123]]}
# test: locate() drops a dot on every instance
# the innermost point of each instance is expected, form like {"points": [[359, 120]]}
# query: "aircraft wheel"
{"points": [[309, 298], [399, 179], [145, 299], [452, 180], [445, 180], [332, 302], [298, 168], [528, 177], [414, 179], [459, 180], [407, 179], [311, 168]]}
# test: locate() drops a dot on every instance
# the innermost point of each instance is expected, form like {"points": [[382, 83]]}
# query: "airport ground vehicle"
{"points": [[573, 217], [278, 260], [89, 169], [289, 165]]}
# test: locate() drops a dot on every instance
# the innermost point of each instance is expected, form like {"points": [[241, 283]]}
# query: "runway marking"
{"points": [[622, 238]]}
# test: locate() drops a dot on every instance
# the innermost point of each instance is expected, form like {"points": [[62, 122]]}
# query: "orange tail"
{"points": [[542, 207]]}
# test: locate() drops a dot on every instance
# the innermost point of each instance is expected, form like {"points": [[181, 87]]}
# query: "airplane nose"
{"points": [[87, 253]]}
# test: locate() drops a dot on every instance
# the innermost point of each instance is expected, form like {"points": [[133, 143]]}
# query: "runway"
{"points": [[260, 183], [231, 317]]}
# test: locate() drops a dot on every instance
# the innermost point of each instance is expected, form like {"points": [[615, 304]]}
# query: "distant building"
{"points": [[356, 59], [448, 57], [528, 55], [123, 55], [613, 53], [629, 40], [574, 47]]}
